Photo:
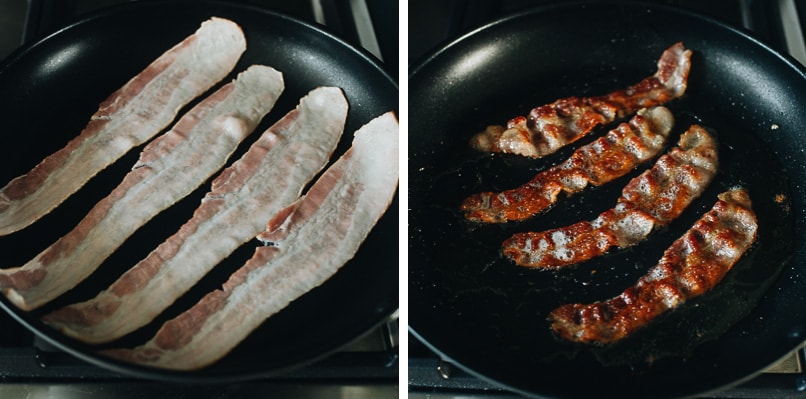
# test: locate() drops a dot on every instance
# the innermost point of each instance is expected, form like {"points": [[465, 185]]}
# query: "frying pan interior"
{"points": [[50, 89], [488, 316]]}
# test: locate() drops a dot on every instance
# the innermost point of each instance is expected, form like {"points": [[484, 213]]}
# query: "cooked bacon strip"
{"points": [[552, 126], [129, 117], [307, 243], [690, 267], [201, 141], [607, 158], [654, 198], [269, 176]]}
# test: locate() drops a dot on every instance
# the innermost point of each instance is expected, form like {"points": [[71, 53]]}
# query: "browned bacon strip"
{"points": [[308, 243], [128, 118], [654, 198], [169, 168], [690, 267], [269, 176], [552, 126], [605, 159]]}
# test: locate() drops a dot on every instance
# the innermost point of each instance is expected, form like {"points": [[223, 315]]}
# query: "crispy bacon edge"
{"points": [[654, 198], [690, 267], [552, 126], [603, 160]]}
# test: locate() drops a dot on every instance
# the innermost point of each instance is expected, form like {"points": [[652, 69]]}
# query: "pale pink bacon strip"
{"points": [[690, 267], [654, 198], [270, 175], [308, 243], [608, 157], [552, 126], [169, 168], [129, 117]]}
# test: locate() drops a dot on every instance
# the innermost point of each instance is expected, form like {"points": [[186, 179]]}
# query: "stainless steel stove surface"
{"points": [[432, 23], [367, 368]]}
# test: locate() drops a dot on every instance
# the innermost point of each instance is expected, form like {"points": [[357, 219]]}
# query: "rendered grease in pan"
{"points": [[505, 305]]}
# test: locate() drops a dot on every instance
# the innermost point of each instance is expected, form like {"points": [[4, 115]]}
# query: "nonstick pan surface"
{"points": [[488, 316], [50, 89]]}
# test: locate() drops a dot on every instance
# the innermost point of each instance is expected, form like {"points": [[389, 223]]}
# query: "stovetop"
{"points": [[777, 22], [366, 368], [370, 24], [434, 23]]}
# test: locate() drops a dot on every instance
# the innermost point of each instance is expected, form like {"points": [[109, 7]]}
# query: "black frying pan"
{"points": [[486, 315], [50, 89]]}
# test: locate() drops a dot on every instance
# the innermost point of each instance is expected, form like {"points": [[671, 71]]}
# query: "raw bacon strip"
{"points": [[129, 117], [552, 126], [609, 157], [308, 242], [269, 176], [169, 168], [690, 267], [654, 198]]}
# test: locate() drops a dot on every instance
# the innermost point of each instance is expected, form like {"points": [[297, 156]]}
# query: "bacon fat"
{"points": [[202, 139], [129, 117], [307, 244], [269, 176]]}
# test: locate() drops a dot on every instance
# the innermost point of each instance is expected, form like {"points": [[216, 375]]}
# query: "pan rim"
{"points": [[436, 54], [118, 8], [441, 48], [64, 343]]}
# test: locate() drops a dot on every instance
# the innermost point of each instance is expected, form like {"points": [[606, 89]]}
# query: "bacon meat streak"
{"points": [[654, 198], [269, 176], [200, 141], [552, 126], [129, 117], [307, 243], [690, 267], [607, 158]]}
